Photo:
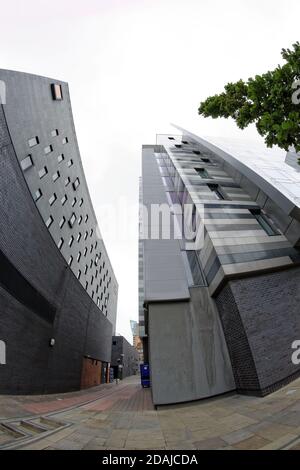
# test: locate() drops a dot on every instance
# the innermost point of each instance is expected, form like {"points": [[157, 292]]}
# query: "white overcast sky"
{"points": [[134, 66]]}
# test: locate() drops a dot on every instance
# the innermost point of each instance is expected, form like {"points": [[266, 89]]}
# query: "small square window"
{"points": [[205, 160], [85, 235], [56, 91], [185, 142], [178, 146], [91, 232], [91, 263], [48, 149], [85, 251], [56, 176], [78, 237], [70, 261], [70, 163], [80, 202], [86, 285], [74, 202], [52, 199], [196, 152], [49, 221], [80, 220], [67, 181], [86, 269], [60, 158], [72, 220], [37, 195], [33, 141], [91, 249], [43, 172], [86, 218], [26, 163], [65, 140], [171, 138], [76, 183], [79, 274], [71, 241], [54, 133], [64, 200], [78, 256], [62, 222], [60, 243]]}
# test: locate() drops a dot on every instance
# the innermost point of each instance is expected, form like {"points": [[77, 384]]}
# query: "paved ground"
{"points": [[123, 417]]}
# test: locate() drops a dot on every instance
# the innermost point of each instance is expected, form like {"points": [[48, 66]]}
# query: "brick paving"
{"points": [[123, 417]]}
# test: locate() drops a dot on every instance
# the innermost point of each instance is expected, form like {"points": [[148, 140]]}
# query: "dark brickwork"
{"points": [[79, 327], [130, 360], [261, 319]]}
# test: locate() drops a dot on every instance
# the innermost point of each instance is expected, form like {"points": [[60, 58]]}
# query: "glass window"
{"points": [[43, 172], [86, 269], [38, 194], [67, 181], [79, 274], [78, 256], [76, 183], [80, 220], [62, 222], [49, 221], [48, 149], [56, 176], [26, 163], [60, 158], [86, 218], [72, 220], [80, 202], [56, 91], [70, 261], [65, 140], [64, 200], [71, 241], [78, 237], [264, 222], [215, 188], [33, 141], [54, 133], [196, 152], [85, 235], [70, 163], [203, 173], [74, 202], [52, 199], [60, 243]]}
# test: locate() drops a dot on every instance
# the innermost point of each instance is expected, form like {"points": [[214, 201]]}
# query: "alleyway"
{"points": [[122, 417]]}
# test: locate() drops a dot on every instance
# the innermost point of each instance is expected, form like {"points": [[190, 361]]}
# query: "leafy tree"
{"points": [[265, 100]]}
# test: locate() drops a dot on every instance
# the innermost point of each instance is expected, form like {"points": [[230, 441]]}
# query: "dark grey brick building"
{"points": [[58, 291], [221, 312], [125, 355]]}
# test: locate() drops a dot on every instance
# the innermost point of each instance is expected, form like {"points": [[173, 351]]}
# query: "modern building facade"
{"points": [[124, 358], [137, 342], [58, 291], [220, 314]]}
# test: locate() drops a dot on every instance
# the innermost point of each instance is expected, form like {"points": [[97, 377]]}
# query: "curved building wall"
{"points": [[41, 297]]}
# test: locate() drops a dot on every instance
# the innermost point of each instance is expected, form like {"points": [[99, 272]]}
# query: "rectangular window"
{"points": [[86, 285], [49, 221], [79, 274], [171, 138], [33, 141], [70, 261], [91, 232], [80, 220], [52, 199], [215, 188], [70, 163], [62, 222], [26, 163], [56, 91], [56, 176], [264, 222], [74, 202], [205, 160], [71, 241], [72, 220], [64, 200], [48, 149], [178, 146], [85, 251], [54, 133], [85, 235], [80, 202], [60, 243], [203, 173], [78, 256], [76, 183], [60, 158], [91, 249], [196, 152], [78, 237], [67, 181], [86, 218], [185, 142], [43, 172], [37, 195], [65, 140], [86, 269]]}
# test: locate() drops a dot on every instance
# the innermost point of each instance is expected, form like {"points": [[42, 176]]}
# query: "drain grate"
{"points": [[17, 432]]}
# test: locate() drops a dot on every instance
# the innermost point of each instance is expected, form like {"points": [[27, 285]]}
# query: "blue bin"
{"points": [[145, 375]]}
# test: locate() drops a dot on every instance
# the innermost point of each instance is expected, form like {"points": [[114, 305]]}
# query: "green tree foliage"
{"points": [[265, 100]]}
